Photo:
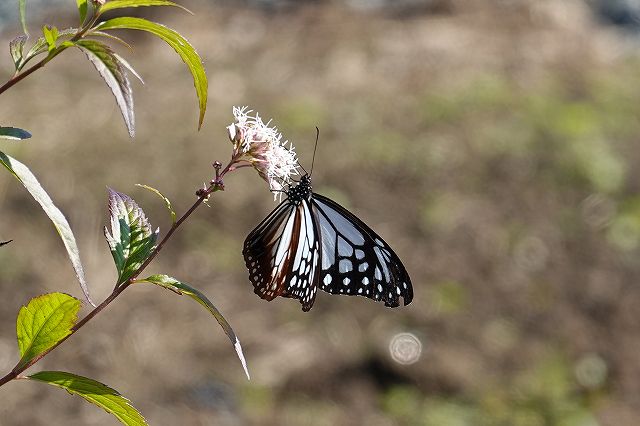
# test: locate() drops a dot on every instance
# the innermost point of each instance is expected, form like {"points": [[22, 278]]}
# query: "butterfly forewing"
{"points": [[355, 260]]}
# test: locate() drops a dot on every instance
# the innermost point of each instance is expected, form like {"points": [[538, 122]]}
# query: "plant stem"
{"points": [[215, 186], [19, 77], [20, 368]]}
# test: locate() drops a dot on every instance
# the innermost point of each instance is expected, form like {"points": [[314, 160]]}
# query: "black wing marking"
{"points": [[355, 260]]}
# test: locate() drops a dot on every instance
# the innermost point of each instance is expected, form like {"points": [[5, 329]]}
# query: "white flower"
{"points": [[262, 146]]}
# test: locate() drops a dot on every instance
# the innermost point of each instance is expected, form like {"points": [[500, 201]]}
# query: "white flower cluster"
{"points": [[263, 147]]}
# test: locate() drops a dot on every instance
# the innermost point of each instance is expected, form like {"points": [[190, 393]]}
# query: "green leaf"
{"points": [[45, 321], [120, 4], [13, 133], [166, 200], [82, 10], [178, 43], [128, 66], [51, 36], [23, 16], [41, 45], [94, 392], [16, 47], [26, 178], [114, 73], [182, 288], [131, 239]]}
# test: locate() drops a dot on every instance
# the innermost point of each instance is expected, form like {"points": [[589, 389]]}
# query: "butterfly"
{"points": [[309, 242]]}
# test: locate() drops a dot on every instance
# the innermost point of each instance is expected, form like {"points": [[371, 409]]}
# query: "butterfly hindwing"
{"points": [[355, 260], [260, 249]]}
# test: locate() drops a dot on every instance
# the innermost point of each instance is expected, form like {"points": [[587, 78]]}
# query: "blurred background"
{"points": [[492, 143]]}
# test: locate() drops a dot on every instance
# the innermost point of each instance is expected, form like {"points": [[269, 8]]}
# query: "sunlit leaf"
{"points": [[165, 199], [182, 288], [13, 133], [131, 239], [114, 74], [120, 4], [23, 16], [94, 392], [24, 175], [128, 66], [51, 36], [178, 43], [41, 45], [82, 10], [45, 321], [16, 47]]}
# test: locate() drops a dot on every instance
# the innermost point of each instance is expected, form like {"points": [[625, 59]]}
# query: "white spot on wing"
{"points": [[345, 266]]}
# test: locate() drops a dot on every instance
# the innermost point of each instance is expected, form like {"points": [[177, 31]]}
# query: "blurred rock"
{"points": [[623, 13]]}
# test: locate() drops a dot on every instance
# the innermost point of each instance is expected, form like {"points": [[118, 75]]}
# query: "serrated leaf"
{"points": [[41, 45], [94, 392], [165, 199], [30, 182], [45, 321], [131, 239], [182, 288], [114, 74], [128, 66], [178, 43], [50, 36], [23, 15], [121, 4], [82, 10], [13, 133], [16, 47]]}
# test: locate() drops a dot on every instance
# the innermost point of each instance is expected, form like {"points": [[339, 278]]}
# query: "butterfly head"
{"points": [[302, 191]]}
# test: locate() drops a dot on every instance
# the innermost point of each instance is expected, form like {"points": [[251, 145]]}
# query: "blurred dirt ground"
{"points": [[494, 144]]}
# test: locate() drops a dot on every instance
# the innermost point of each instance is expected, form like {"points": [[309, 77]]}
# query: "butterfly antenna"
{"points": [[313, 159]]}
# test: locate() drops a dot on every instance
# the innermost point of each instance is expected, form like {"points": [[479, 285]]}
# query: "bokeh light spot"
{"points": [[405, 348]]}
